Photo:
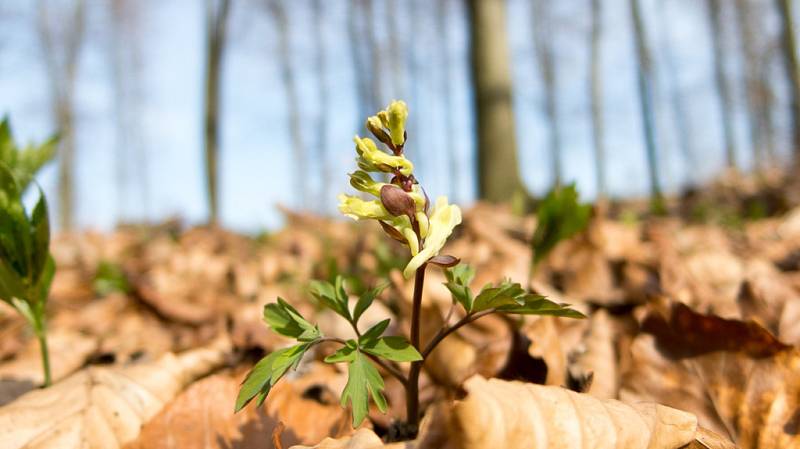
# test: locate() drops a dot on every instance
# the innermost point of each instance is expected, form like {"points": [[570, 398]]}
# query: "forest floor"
{"points": [[152, 330]]}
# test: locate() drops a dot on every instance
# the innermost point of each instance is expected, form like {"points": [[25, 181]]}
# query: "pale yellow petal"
{"points": [[443, 220]]}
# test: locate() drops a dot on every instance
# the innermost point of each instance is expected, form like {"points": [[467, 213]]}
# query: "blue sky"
{"points": [[256, 163]]}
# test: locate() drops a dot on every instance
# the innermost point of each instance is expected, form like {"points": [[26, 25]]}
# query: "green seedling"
{"points": [[403, 210], [24, 162], [26, 266], [560, 216], [109, 278]]}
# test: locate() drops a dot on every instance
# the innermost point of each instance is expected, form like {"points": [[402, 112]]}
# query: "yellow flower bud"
{"points": [[357, 209], [384, 117], [373, 159], [398, 113], [443, 220], [362, 181]]}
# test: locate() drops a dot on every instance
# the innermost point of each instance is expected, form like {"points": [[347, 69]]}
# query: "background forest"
{"points": [[621, 96]]}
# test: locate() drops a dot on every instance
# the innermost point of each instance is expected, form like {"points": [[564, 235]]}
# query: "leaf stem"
{"points": [[445, 331], [412, 388], [40, 330]]}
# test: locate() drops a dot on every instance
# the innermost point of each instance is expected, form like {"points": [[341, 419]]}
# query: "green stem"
{"points": [[41, 334], [412, 388]]}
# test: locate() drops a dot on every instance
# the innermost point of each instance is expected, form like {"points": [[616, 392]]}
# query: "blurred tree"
{"points": [[543, 36], [757, 114], [447, 65], [360, 70], [714, 10], [216, 21], [596, 96], [395, 55], [289, 77], [677, 98], [644, 74], [786, 8], [323, 102], [61, 34], [498, 171], [125, 54], [375, 69]]}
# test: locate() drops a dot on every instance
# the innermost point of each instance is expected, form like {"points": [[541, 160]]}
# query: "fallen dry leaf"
{"points": [[102, 407], [504, 414]]}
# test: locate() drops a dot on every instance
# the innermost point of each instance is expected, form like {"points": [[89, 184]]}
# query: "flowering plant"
{"points": [[403, 210]]}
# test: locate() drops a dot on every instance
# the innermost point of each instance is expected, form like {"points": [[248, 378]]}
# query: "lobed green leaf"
{"points": [[366, 299], [267, 372], [363, 381], [287, 321]]}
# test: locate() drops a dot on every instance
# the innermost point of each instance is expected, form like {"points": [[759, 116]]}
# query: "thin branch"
{"points": [[444, 332]]}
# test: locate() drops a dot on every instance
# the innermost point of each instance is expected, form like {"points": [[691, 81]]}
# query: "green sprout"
{"points": [[25, 162], [26, 266], [404, 212], [560, 216]]}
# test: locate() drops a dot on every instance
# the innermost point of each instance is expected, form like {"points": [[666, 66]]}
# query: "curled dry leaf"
{"points": [[599, 357], [751, 378], [500, 414], [103, 407]]}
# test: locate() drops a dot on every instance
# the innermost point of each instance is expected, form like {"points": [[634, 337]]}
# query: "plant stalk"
{"points": [[39, 329], [412, 388]]}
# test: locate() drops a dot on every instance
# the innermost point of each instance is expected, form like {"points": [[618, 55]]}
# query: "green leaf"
{"points": [[109, 278], [539, 305], [397, 349], [42, 288], [375, 331], [332, 297], [461, 274], [344, 354], [363, 381], [458, 280], [366, 299], [560, 216], [287, 321], [504, 294], [40, 236], [267, 372]]}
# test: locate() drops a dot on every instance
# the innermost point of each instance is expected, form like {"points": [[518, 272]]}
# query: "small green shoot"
{"points": [[559, 216], [24, 162], [109, 278], [26, 266]]}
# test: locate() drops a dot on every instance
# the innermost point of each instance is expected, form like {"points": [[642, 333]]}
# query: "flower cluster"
{"points": [[401, 206]]}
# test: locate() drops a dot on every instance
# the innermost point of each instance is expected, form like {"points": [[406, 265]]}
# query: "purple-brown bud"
{"points": [[397, 202]]}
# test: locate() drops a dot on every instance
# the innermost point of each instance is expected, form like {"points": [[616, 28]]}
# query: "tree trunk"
{"points": [[498, 171], [288, 77], [216, 20], [644, 73], [596, 97], [61, 53], [747, 23], [130, 156], [723, 89], [543, 41], [792, 65]]}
